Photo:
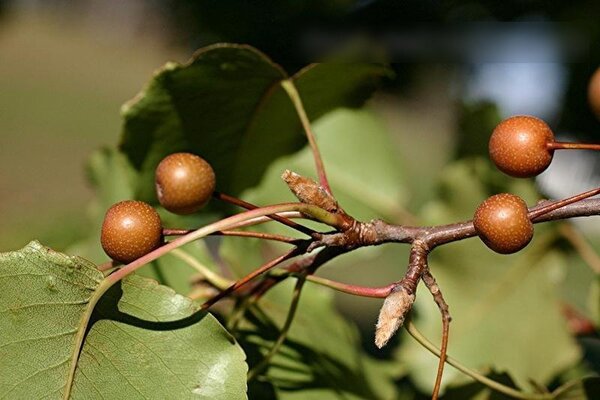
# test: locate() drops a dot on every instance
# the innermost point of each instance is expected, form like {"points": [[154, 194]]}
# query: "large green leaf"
{"points": [[227, 105], [130, 351], [506, 309]]}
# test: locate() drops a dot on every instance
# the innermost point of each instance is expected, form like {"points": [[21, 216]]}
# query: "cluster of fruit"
{"points": [[520, 146], [131, 228], [523, 147]]}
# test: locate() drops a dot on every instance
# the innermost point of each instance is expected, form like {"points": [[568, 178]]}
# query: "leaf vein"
{"points": [[39, 338]]}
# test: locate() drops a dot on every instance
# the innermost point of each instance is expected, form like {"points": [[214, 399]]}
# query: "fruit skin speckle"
{"points": [[594, 93], [130, 230], [502, 223], [519, 146], [185, 182]]}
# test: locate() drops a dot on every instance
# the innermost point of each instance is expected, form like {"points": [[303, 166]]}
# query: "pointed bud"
{"points": [[392, 314], [309, 191]]}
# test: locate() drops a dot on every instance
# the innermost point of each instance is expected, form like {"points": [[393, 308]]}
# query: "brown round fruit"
{"points": [[184, 183], [594, 93], [130, 230], [502, 223], [519, 146]]}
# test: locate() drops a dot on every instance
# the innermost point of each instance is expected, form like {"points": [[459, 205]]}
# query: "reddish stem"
{"points": [[363, 291], [545, 209], [248, 206], [260, 235], [176, 232], [257, 235], [442, 360], [573, 146], [577, 323], [243, 281], [107, 265]]}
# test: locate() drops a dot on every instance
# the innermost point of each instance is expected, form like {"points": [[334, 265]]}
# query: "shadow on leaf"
{"points": [[108, 308]]}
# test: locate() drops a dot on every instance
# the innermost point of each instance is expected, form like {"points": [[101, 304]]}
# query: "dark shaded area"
{"points": [[295, 34], [475, 118], [311, 369], [281, 28], [3, 5], [108, 308], [591, 351]]}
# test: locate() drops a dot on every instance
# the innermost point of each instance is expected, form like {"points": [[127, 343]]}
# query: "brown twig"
{"points": [[382, 232], [435, 291], [547, 207], [243, 281]]}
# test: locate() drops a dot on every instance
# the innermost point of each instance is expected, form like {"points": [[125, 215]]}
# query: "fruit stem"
{"points": [[248, 206], [497, 386], [257, 235], [176, 232], [210, 276], [107, 265], [259, 271], [320, 214], [355, 290], [538, 212], [290, 88], [573, 146], [284, 330]]}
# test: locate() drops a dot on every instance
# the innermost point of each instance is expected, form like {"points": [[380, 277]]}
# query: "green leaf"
{"points": [[364, 172], [43, 295], [476, 121], [173, 272], [594, 300], [322, 356], [506, 309], [131, 350], [228, 106], [478, 391]]}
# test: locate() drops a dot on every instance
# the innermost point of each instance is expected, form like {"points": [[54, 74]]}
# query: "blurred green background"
{"points": [[62, 82]]}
